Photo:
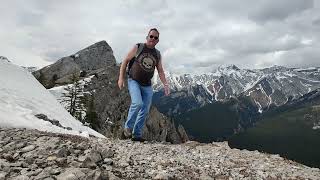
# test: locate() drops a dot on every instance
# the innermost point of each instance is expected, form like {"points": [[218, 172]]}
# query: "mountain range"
{"points": [[265, 87]]}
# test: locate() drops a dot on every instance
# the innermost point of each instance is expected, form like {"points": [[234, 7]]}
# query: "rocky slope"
{"points": [[105, 103], [30, 154]]}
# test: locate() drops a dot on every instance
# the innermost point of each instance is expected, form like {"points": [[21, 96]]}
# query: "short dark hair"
{"points": [[154, 29]]}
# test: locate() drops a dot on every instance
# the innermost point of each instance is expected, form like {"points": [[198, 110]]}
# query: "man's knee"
{"points": [[137, 105]]}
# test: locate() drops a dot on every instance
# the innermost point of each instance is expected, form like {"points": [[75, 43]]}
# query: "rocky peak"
{"points": [[2, 58], [275, 69], [101, 44], [229, 67], [92, 58]]}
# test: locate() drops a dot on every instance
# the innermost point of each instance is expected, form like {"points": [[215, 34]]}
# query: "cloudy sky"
{"points": [[195, 36]]}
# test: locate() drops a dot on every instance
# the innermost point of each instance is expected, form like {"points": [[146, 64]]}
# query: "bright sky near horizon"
{"points": [[194, 35]]}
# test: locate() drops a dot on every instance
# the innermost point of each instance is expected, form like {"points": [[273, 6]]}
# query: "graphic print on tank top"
{"points": [[147, 62]]}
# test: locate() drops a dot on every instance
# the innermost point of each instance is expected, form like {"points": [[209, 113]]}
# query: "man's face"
{"points": [[153, 38]]}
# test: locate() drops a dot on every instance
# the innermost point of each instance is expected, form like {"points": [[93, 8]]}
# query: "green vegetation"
{"points": [[91, 115], [213, 122], [74, 98], [288, 133], [286, 130]]}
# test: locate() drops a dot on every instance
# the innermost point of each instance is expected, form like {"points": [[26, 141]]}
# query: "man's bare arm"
{"points": [[162, 77], [124, 64]]}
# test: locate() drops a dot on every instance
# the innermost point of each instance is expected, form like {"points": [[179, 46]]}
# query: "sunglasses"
{"points": [[154, 37]]}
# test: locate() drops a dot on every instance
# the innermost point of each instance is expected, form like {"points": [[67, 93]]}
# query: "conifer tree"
{"points": [[74, 98], [91, 115]]}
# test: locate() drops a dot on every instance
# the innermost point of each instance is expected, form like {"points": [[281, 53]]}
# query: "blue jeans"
{"points": [[141, 98]]}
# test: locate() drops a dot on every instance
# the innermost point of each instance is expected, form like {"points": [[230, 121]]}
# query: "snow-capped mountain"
{"points": [[239, 79], [30, 69], [25, 103], [275, 85]]}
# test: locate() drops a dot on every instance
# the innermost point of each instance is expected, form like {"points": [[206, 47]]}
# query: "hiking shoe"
{"points": [[127, 132], [139, 139]]}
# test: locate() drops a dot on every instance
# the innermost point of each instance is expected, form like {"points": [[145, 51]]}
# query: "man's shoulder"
{"points": [[139, 44], [158, 54]]}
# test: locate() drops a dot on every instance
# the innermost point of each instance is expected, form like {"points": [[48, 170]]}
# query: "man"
{"points": [[144, 58]]}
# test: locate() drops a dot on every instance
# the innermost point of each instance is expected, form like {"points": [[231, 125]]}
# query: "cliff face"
{"points": [[30, 154], [105, 105]]}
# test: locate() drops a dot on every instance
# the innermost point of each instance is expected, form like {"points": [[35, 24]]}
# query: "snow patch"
{"points": [[22, 97], [316, 127]]}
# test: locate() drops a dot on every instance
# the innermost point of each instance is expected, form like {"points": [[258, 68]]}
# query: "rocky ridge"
{"points": [[31, 154]]}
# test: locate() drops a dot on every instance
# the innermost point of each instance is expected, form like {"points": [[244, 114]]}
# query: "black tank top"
{"points": [[142, 69]]}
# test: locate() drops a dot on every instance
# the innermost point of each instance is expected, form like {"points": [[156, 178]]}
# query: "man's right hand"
{"points": [[166, 90], [120, 83]]}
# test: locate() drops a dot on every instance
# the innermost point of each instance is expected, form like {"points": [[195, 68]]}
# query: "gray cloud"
{"points": [[195, 36], [279, 10], [316, 22]]}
